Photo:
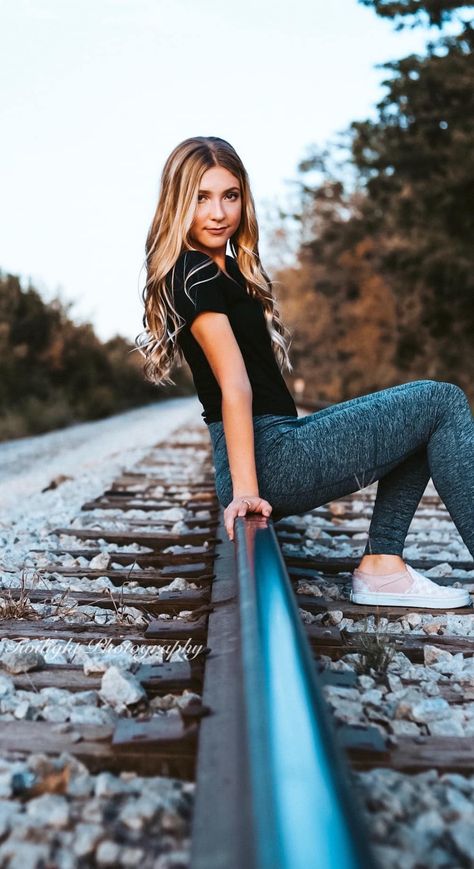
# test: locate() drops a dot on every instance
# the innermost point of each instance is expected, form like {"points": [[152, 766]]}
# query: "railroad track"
{"points": [[170, 699]]}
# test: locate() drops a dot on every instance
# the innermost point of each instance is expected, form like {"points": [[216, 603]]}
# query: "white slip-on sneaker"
{"points": [[406, 588]]}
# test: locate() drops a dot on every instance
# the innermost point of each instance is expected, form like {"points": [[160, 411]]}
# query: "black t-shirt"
{"points": [[198, 284]]}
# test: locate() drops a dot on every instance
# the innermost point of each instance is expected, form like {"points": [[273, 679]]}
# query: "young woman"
{"points": [[219, 312]]}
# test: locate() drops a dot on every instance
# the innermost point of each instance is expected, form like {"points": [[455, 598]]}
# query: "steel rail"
{"points": [[302, 812]]}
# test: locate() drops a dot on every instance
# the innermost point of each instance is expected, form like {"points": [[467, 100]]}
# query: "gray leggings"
{"points": [[400, 436]]}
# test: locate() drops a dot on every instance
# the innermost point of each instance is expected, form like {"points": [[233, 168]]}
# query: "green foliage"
{"points": [[434, 12], [405, 214], [417, 161], [56, 372]]}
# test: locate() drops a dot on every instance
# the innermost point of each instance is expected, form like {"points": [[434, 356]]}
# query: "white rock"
{"points": [[86, 697], [432, 654], [102, 617], [367, 682], [22, 662], [53, 695], [429, 822], [24, 855], [374, 696], [131, 857], [8, 813], [137, 616], [107, 785], [120, 688], [461, 834], [49, 809], [138, 812], [93, 665], [55, 713], [432, 709], [395, 683], [332, 591], [446, 727], [413, 619], [107, 853], [91, 715], [400, 727], [86, 838], [443, 569], [348, 710], [100, 561], [188, 699], [308, 588], [25, 711], [179, 583], [458, 801], [432, 628]]}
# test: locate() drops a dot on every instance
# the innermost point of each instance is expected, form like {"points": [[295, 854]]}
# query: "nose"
{"points": [[216, 210]]}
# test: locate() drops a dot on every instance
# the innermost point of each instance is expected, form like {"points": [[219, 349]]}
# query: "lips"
{"points": [[217, 231]]}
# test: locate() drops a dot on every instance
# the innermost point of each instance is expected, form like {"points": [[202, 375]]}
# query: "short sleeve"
{"points": [[197, 285]]}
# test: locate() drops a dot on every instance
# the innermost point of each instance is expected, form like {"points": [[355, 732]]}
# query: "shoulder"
{"points": [[194, 266], [197, 284]]}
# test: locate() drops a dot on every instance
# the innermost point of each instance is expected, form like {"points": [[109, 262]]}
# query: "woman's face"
{"points": [[219, 207]]}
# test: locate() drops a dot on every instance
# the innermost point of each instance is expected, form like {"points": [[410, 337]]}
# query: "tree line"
{"points": [[383, 288], [55, 372]]}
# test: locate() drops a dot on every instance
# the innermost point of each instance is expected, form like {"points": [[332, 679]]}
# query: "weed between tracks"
{"points": [[15, 603], [17, 607], [375, 649]]}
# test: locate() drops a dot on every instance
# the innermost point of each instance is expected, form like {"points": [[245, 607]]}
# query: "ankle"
{"points": [[378, 565]]}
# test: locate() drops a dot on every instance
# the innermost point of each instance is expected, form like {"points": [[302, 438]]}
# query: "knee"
{"points": [[442, 390], [452, 394]]}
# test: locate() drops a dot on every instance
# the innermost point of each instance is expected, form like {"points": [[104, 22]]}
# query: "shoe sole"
{"points": [[405, 600]]}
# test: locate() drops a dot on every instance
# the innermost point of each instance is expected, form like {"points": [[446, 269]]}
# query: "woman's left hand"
{"points": [[240, 506]]}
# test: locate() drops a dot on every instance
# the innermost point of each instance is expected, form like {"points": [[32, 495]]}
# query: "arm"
{"points": [[214, 333], [239, 436]]}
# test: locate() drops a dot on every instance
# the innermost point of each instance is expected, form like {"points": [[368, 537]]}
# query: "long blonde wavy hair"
{"points": [[169, 236]]}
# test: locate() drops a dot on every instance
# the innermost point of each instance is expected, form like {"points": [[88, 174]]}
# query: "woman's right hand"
{"points": [[240, 506]]}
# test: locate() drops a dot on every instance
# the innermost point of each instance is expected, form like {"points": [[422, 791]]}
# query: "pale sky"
{"points": [[94, 95]]}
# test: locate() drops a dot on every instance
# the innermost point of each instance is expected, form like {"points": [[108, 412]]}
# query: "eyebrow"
{"points": [[224, 191]]}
